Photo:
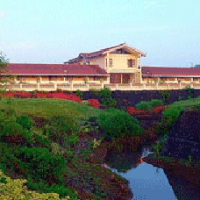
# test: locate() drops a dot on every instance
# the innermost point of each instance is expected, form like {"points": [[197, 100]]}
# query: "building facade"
{"points": [[118, 67], [154, 74], [122, 62]]}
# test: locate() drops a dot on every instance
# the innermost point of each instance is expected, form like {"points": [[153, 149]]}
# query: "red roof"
{"points": [[55, 69], [148, 71], [99, 53]]}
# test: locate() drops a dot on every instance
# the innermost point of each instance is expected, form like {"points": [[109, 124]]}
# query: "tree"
{"points": [[3, 62], [3, 67]]}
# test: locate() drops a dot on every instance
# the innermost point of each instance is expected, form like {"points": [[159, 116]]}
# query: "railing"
{"points": [[86, 87], [29, 86]]}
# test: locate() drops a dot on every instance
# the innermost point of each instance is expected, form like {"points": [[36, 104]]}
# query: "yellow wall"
{"points": [[184, 79], [60, 78], [120, 61], [101, 61], [45, 78], [91, 78], [30, 78], [78, 78]]}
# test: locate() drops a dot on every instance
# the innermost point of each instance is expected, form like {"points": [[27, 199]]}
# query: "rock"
{"points": [[184, 138]]}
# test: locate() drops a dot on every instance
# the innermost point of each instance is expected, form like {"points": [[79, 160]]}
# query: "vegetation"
{"points": [[25, 121], [106, 97], [48, 107], [3, 67], [170, 116], [190, 92], [120, 125], [165, 95], [79, 94], [50, 138], [148, 105], [15, 189], [49, 152]]}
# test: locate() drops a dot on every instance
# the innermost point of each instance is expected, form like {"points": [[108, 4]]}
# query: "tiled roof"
{"points": [[101, 52], [150, 71], [54, 69]]}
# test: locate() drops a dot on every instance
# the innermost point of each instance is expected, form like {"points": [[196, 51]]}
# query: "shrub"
{"points": [[79, 94], [34, 92], [94, 103], [9, 112], [40, 163], [63, 123], [60, 126], [15, 189], [41, 139], [59, 91], [156, 103], [106, 97], [56, 150], [190, 92], [96, 92], [109, 102], [11, 128], [143, 105], [121, 125], [170, 116], [29, 136], [109, 113], [58, 189], [92, 119], [25, 121], [85, 102], [105, 93], [165, 95]]}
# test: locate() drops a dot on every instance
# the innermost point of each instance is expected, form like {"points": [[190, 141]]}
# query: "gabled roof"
{"points": [[150, 71], [102, 52], [55, 69]]}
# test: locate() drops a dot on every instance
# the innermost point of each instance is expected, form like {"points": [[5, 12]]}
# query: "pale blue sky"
{"points": [[52, 31]]}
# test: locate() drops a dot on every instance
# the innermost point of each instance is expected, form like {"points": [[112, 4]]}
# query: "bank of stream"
{"points": [[146, 181], [153, 179]]}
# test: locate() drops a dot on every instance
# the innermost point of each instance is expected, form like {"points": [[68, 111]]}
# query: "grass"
{"points": [[47, 107], [185, 103]]}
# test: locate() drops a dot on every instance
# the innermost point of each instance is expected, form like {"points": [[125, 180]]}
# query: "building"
{"points": [[154, 74], [118, 68], [122, 62], [57, 73]]}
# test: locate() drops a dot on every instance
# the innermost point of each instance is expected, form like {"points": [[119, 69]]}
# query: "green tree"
{"points": [[3, 68]]}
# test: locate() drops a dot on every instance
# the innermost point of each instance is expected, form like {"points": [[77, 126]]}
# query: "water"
{"points": [[146, 181]]}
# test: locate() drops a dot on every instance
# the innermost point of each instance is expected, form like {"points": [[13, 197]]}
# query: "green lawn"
{"points": [[47, 107], [185, 103]]}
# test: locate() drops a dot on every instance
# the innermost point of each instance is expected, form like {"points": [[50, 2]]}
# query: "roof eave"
{"points": [[59, 74]]}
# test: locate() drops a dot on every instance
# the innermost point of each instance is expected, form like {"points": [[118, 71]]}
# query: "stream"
{"points": [[146, 181]]}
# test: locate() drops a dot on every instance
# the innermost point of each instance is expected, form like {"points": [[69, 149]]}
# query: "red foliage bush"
{"points": [[94, 103], [132, 111], [56, 95]]}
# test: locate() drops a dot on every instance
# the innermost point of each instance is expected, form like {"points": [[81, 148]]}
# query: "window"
{"points": [[106, 61], [110, 62], [131, 62]]}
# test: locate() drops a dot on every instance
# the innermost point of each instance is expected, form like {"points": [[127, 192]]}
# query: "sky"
{"points": [[53, 31]]}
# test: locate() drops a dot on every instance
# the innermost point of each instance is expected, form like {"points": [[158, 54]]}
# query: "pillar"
{"points": [[71, 86]]}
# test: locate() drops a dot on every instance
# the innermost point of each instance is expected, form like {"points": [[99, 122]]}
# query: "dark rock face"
{"points": [[184, 138], [130, 98]]}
